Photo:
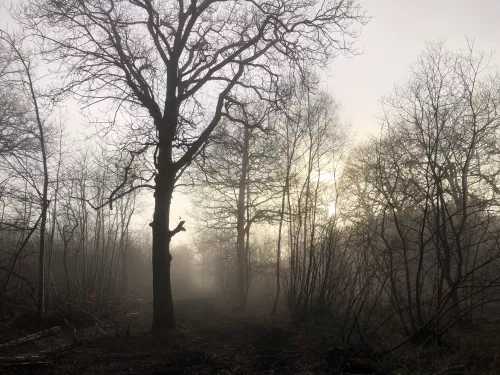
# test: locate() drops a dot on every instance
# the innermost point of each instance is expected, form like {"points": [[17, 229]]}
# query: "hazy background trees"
{"points": [[178, 68], [221, 101]]}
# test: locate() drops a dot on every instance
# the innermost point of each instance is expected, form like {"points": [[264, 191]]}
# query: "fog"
{"points": [[249, 187]]}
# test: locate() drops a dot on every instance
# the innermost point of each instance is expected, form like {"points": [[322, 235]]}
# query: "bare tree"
{"points": [[237, 168], [24, 75], [423, 194], [177, 64], [318, 152]]}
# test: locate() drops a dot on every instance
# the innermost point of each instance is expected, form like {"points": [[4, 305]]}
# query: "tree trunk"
{"points": [[163, 308], [41, 255], [66, 272], [45, 201], [124, 273], [240, 224], [18, 253], [124, 252], [51, 238], [278, 253]]}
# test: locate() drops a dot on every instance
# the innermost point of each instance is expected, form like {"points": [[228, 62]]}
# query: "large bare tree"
{"points": [[173, 65]]}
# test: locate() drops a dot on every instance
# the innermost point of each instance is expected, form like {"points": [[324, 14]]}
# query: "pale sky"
{"points": [[391, 41]]}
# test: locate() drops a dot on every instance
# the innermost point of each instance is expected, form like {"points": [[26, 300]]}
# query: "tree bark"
{"points": [[45, 201], [240, 223], [53, 228], [278, 253], [163, 308]]}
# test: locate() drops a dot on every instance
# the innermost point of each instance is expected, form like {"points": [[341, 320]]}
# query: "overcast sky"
{"points": [[391, 41]]}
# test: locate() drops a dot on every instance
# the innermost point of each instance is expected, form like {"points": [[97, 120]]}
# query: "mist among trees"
{"points": [[304, 249]]}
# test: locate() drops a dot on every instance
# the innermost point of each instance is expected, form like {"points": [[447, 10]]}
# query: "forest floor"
{"points": [[116, 340]]}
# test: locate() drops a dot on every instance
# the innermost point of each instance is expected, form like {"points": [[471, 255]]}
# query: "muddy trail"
{"points": [[224, 346], [115, 339], [205, 341]]}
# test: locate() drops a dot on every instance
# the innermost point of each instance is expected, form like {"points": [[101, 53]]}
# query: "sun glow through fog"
{"points": [[331, 209]]}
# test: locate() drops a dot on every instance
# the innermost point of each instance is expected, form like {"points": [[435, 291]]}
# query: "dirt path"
{"points": [[223, 346], [212, 341], [203, 343]]}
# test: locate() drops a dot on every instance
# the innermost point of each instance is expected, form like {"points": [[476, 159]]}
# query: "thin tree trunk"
{"points": [[13, 263], [240, 223], [45, 201], [124, 251], [53, 227], [278, 257], [278, 253]]}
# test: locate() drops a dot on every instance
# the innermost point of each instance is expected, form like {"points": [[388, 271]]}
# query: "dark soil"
{"points": [[206, 341], [116, 340]]}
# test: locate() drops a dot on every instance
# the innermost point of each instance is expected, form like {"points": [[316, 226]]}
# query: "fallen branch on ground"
{"points": [[30, 338], [452, 368], [25, 360], [73, 345]]}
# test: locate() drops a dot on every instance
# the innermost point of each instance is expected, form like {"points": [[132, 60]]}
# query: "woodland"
{"points": [[303, 252]]}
